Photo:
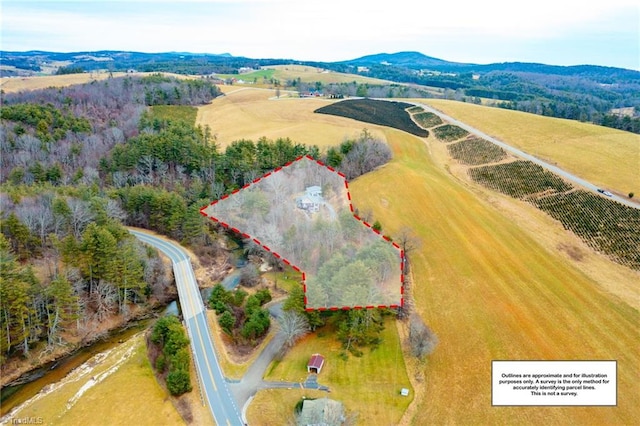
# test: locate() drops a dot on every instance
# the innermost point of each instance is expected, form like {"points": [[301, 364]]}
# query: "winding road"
{"points": [[213, 384], [522, 154]]}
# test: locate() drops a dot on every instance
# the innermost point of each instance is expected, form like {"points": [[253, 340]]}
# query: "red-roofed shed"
{"points": [[315, 363]]}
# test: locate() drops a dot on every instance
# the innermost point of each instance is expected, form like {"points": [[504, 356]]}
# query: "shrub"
{"points": [[449, 132], [178, 382], [227, 322]]}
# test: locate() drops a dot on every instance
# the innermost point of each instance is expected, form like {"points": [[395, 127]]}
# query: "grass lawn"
{"points": [[184, 113], [285, 280], [275, 406], [491, 291], [130, 395], [369, 385], [606, 157]]}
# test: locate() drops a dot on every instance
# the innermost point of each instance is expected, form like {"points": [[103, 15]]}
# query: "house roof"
{"points": [[323, 411], [316, 361]]}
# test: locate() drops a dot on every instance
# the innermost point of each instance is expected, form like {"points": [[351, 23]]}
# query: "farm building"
{"points": [[315, 363]]}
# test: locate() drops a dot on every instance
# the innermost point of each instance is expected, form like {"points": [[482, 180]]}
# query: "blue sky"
{"points": [[561, 32]]}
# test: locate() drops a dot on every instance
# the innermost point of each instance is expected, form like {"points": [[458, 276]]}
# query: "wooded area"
{"points": [[82, 161]]}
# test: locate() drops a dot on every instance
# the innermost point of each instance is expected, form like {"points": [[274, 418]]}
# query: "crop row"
{"points": [[415, 109], [518, 179], [384, 113], [449, 132], [426, 119], [605, 225], [475, 151]]}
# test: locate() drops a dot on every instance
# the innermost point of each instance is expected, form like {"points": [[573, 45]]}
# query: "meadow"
{"points": [[606, 157], [491, 291], [17, 84], [490, 279], [250, 113], [312, 74]]}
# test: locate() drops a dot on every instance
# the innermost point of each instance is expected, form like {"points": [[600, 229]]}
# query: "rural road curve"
{"points": [[214, 387], [509, 148]]}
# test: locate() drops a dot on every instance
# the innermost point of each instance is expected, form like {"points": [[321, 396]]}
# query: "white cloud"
{"points": [[311, 30]]}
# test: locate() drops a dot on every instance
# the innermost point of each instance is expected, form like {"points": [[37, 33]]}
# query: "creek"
{"points": [[35, 380]]}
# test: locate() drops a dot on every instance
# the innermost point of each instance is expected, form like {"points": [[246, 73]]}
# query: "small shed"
{"points": [[315, 364]]}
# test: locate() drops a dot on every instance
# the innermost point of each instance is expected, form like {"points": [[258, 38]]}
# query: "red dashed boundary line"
{"points": [[295, 267]]}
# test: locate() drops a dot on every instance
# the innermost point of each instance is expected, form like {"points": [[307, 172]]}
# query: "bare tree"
{"points": [[408, 242], [81, 215], [105, 300], [293, 326], [422, 340]]}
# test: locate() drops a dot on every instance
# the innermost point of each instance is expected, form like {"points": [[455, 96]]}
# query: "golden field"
{"points": [[16, 84], [607, 157], [491, 291], [488, 286], [248, 113]]}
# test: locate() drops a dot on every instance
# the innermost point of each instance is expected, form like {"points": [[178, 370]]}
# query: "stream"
{"points": [[52, 372]]}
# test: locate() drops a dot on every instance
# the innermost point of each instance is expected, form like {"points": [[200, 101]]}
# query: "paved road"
{"points": [[213, 385], [526, 156]]}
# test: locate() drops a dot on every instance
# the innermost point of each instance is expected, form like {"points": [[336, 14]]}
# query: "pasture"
{"points": [[249, 113], [17, 84], [491, 279], [310, 74], [491, 291], [607, 157]]}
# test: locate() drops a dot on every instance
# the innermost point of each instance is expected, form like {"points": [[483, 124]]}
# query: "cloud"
{"points": [[311, 30]]}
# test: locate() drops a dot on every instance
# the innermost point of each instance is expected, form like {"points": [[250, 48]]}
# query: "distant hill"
{"points": [[582, 92], [413, 60]]}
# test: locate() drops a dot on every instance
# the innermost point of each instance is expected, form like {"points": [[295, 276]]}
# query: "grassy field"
{"points": [[116, 400], [246, 113], [311, 75], [16, 84], [250, 77], [184, 113], [491, 291], [607, 157], [495, 278], [369, 385]]}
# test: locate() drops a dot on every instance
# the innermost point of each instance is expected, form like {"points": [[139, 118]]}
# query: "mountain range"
{"points": [[581, 92]]}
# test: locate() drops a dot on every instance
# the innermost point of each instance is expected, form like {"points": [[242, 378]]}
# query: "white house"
{"points": [[311, 200]]}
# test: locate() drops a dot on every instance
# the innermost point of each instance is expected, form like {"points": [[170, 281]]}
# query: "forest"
{"points": [[583, 92], [79, 164]]}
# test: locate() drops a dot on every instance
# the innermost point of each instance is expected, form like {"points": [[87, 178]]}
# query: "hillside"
{"points": [[582, 92]]}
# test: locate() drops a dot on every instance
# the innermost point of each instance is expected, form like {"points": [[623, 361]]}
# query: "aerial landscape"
{"points": [[246, 213]]}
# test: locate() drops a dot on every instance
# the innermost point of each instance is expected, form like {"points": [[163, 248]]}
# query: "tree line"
{"points": [[68, 263]]}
